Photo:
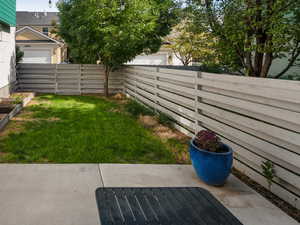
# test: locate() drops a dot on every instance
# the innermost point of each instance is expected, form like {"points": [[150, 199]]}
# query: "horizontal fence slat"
{"points": [[66, 78], [281, 117], [277, 135], [281, 94], [253, 142], [275, 83]]}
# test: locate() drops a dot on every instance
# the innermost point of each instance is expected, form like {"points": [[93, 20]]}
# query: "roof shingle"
{"points": [[36, 18]]}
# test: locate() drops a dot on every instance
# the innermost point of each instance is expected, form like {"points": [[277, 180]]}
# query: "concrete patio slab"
{"points": [[54, 194], [242, 201], [49, 194]]}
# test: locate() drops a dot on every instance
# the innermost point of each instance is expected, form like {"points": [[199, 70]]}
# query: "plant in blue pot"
{"points": [[211, 159]]}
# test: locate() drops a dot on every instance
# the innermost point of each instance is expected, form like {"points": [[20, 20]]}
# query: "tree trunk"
{"points": [[267, 64], [107, 71]]}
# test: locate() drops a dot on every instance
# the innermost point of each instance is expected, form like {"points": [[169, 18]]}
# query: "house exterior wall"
{"points": [[58, 52], [7, 46], [163, 57], [55, 50], [7, 60]]}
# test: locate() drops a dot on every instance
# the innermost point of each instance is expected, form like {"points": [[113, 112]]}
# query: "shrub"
{"points": [[209, 141], [136, 109], [165, 120], [19, 55], [18, 100]]}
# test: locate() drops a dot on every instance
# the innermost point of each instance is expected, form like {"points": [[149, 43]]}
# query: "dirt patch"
{"points": [[12, 127], [25, 115], [21, 94], [169, 133], [176, 141], [2, 115], [119, 96], [148, 121], [33, 102], [164, 132], [17, 123], [3, 154], [38, 102], [160, 130]]}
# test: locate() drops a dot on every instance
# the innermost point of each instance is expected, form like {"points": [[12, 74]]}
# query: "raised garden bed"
{"points": [[9, 107]]}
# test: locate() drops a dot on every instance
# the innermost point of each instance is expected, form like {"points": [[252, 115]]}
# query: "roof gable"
{"points": [[29, 34]]}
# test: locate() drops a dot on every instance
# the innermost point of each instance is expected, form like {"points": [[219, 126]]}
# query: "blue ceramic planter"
{"points": [[212, 168]]}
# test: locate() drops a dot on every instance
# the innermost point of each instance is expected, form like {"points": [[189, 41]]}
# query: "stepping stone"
{"points": [[161, 206]]}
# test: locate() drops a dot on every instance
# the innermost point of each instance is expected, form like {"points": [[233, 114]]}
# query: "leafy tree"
{"points": [[113, 32], [189, 45], [252, 33]]}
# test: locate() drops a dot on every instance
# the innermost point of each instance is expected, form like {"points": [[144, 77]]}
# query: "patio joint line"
{"points": [[100, 175]]}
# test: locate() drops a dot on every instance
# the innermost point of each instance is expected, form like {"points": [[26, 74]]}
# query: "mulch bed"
{"points": [[283, 205]]}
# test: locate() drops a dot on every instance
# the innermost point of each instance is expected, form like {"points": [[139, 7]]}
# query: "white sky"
{"points": [[36, 5]]}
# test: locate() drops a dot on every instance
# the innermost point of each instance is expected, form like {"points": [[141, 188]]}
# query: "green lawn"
{"points": [[85, 129]]}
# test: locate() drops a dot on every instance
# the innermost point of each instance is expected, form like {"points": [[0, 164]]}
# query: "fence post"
{"points": [[156, 88], [55, 79], [123, 77], [79, 79], [197, 99], [135, 86]]}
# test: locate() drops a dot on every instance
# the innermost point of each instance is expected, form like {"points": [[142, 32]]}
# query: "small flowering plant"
{"points": [[209, 141]]}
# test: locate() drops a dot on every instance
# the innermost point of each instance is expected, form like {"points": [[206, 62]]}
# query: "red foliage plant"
{"points": [[209, 141]]}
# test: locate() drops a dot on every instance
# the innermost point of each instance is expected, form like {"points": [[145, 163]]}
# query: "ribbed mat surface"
{"points": [[161, 206]]}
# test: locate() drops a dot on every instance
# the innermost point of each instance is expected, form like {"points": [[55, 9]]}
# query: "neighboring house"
{"points": [[7, 46], [164, 56], [36, 40]]}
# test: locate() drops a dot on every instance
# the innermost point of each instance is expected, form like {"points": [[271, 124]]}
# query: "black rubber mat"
{"points": [[165, 206]]}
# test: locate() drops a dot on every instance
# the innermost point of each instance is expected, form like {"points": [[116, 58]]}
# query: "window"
{"points": [[45, 30]]}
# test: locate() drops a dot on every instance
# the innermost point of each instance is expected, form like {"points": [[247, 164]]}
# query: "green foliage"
{"points": [[101, 31], [136, 109], [269, 172], [252, 34], [189, 45], [81, 129], [165, 120], [17, 99], [291, 77], [19, 55]]}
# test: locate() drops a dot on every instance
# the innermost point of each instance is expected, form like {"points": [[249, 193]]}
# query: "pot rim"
{"points": [[213, 153]]}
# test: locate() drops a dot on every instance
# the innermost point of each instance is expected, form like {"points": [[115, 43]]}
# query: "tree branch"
{"points": [[295, 55]]}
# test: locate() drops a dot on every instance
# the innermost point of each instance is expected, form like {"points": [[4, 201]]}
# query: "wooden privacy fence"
{"points": [[259, 118], [65, 78]]}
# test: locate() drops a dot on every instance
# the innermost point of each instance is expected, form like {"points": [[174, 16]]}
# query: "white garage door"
{"points": [[155, 59], [37, 56]]}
